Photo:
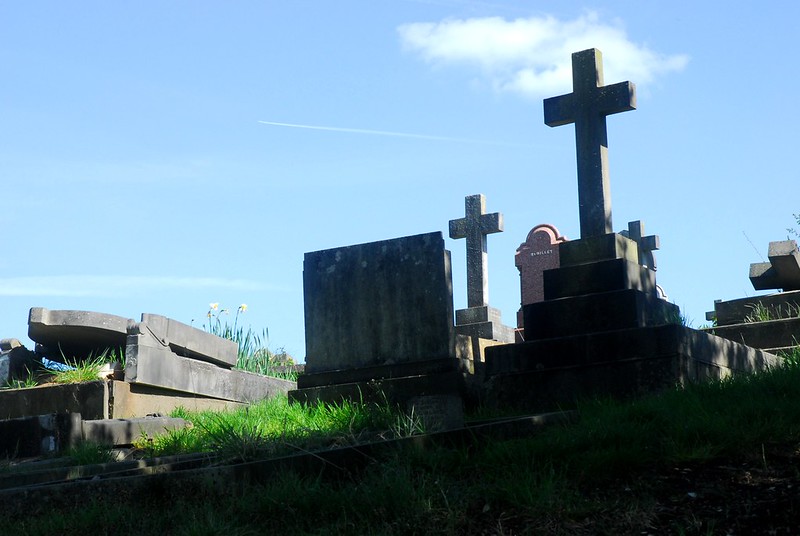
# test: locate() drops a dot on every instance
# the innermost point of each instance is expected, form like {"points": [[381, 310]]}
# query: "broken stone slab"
{"points": [[149, 362], [187, 341], [122, 432], [76, 334], [39, 434], [773, 306]]}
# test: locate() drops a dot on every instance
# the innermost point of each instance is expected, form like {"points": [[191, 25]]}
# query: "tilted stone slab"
{"points": [[148, 362], [187, 341], [775, 306], [76, 334], [783, 269]]}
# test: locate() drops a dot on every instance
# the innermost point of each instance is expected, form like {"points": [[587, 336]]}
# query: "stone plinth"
{"points": [[556, 372]]}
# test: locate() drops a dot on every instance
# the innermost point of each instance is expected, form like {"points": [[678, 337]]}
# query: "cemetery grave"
{"points": [[381, 326], [770, 322]]}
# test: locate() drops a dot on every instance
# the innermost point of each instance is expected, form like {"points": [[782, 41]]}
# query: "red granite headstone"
{"points": [[538, 253]]}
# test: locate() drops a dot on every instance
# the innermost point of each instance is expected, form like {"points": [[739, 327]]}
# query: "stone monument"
{"points": [[479, 320], [601, 328]]}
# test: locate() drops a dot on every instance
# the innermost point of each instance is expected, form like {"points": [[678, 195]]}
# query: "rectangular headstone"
{"points": [[382, 303]]}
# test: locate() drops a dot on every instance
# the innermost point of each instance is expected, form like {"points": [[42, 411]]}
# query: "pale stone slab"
{"points": [[118, 432], [76, 333], [187, 341], [137, 400], [149, 362]]}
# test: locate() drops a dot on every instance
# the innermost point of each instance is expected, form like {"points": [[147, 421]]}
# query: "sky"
{"points": [[156, 157]]}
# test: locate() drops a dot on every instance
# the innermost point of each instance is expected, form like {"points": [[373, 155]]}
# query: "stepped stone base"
{"points": [[554, 373]]}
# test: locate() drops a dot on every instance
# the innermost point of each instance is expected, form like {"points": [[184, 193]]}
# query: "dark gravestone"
{"points": [[383, 303], [379, 327], [587, 106]]}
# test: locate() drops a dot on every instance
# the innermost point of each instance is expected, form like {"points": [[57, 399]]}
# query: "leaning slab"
{"points": [[187, 341], [76, 334], [149, 362]]}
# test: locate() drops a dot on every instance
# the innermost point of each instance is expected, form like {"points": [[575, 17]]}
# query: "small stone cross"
{"points": [[587, 106], [474, 227], [646, 244]]}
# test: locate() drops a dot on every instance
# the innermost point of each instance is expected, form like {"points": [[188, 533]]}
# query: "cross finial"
{"points": [[646, 244], [587, 106], [474, 227]]}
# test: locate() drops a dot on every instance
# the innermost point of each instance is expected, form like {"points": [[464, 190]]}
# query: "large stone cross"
{"points": [[587, 106], [474, 227]]}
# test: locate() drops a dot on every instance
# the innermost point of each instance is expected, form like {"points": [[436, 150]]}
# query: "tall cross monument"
{"points": [[587, 106], [474, 226]]}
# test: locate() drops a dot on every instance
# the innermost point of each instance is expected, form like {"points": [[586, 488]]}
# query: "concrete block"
{"points": [[76, 334], [149, 364], [130, 400], [187, 341], [778, 305], [380, 303], [39, 435], [90, 399], [771, 335]]}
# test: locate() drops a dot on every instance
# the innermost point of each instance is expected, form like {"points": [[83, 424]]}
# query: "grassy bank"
{"points": [[605, 474]]}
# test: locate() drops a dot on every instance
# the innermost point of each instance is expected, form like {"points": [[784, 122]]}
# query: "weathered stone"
{"points": [[76, 334], [773, 306], [122, 432], [607, 311], [538, 253], [90, 399], [149, 362], [474, 227], [556, 372], [596, 277], [187, 341], [129, 400], [783, 269], [38, 435], [587, 107], [771, 335], [380, 303], [646, 244], [597, 248]]}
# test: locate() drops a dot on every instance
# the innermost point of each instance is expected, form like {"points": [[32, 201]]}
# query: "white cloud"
{"points": [[532, 55], [113, 286]]}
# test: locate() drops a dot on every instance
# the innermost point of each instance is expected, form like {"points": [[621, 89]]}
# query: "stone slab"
{"points": [[779, 305], [76, 334], [487, 330], [38, 435], [783, 269], [538, 253], [605, 311], [378, 304], [90, 399], [544, 374], [149, 364], [123, 432], [598, 248], [596, 277], [129, 400], [379, 372], [771, 335], [187, 341]]}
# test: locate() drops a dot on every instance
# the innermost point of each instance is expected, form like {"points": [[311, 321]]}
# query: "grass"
{"points": [[549, 483]]}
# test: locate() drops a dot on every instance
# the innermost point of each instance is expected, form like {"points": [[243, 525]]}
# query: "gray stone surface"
{"points": [[598, 248], [587, 107], [783, 269], [778, 305], [121, 432], [474, 226], [380, 303], [38, 435], [595, 277], [187, 341], [76, 334], [771, 335], [149, 362], [90, 399]]}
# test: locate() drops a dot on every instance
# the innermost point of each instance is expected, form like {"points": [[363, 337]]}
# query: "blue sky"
{"points": [[147, 161]]}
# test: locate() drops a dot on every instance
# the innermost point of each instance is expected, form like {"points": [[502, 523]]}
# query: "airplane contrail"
{"points": [[396, 134]]}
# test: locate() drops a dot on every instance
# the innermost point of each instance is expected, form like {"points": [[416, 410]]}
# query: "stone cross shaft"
{"points": [[474, 227], [587, 106]]}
